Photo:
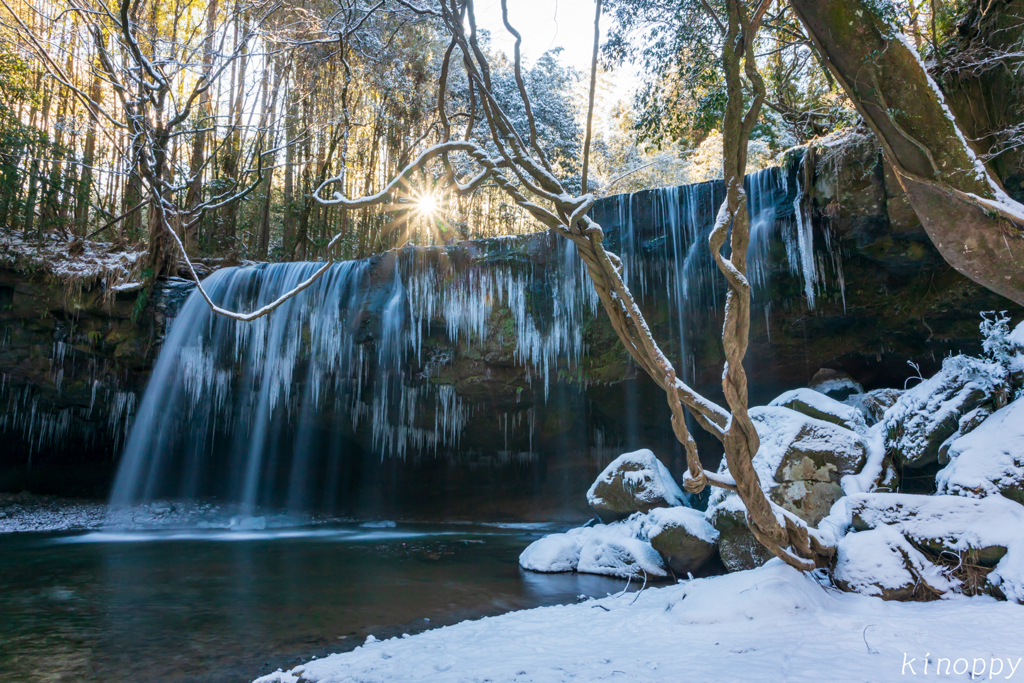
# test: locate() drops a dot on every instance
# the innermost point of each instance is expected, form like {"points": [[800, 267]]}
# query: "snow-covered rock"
{"points": [[554, 552], [618, 549], [614, 554], [987, 532], [801, 464], [737, 546], [882, 562], [990, 459], [633, 482], [796, 447], [835, 384], [821, 407], [873, 404], [802, 460], [931, 412], [682, 536]]}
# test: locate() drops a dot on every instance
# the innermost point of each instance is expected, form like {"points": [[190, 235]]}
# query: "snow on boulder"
{"points": [[612, 553], [983, 533], [800, 464], [873, 404], [930, 413], [555, 552], [806, 458], [683, 537], [835, 383], [943, 523], [737, 546], [633, 482], [619, 549], [796, 447], [882, 562], [821, 407], [990, 459]]}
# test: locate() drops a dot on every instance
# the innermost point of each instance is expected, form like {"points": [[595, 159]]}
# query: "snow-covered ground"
{"points": [[768, 624]]}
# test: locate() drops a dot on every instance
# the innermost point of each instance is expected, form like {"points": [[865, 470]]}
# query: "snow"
{"points": [[620, 549], [988, 459], [963, 522], [958, 523], [92, 262], [849, 415], [693, 521], [647, 479], [1017, 336], [869, 561], [619, 555], [842, 385], [768, 624], [940, 398], [864, 481], [781, 428], [554, 553]]}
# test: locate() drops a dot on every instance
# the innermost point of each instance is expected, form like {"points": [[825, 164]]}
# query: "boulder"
{"points": [[928, 414], [888, 479], [800, 463], [795, 447], [633, 482], [981, 531], [619, 555], [989, 460], [873, 404], [620, 549], [553, 553], [809, 500], [965, 425], [682, 536], [835, 384], [821, 407], [881, 562], [737, 546]]}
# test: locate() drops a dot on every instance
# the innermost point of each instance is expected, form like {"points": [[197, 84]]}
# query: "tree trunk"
{"points": [[263, 240], [976, 227], [88, 158], [195, 187], [291, 128]]}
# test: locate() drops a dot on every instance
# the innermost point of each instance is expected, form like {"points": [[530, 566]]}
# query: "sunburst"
{"points": [[420, 208]]}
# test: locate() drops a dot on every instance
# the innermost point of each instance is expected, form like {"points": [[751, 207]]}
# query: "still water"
{"points": [[214, 605]]}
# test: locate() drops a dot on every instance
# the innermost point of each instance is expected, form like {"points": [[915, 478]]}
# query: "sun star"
{"points": [[427, 205]]}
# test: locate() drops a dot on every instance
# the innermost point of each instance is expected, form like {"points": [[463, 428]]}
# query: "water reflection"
{"points": [[214, 605]]}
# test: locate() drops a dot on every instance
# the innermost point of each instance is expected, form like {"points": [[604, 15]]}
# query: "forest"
{"points": [[380, 287]]}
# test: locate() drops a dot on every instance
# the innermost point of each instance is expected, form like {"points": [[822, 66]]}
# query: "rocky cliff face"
{"points": [[73, 363]]}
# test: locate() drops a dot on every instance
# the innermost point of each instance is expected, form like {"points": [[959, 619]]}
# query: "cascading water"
{"points": [[395, 355], [241, 410], [669, 257]]}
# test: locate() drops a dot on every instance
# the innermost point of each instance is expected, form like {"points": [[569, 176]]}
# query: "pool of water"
{"points": [[215, 605]]}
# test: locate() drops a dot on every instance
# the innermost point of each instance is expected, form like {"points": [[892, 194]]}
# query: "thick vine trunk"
{"points": [[976, 227]]}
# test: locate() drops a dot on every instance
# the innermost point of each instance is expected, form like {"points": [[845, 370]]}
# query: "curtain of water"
{"points": [[234, 407]]}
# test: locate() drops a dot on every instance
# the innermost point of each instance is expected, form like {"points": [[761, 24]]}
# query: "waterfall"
{"points": [[662, 237], [367, 358], [243, 402]]}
